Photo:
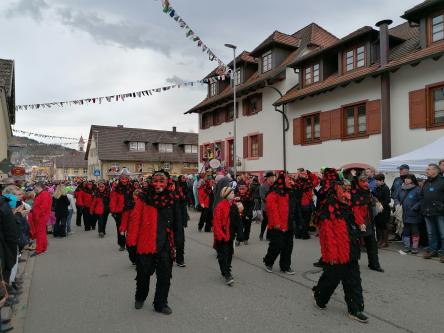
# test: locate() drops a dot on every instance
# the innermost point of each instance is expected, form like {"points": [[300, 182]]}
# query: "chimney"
{"points": [[174, 129], [120, 126], [383, 41]]}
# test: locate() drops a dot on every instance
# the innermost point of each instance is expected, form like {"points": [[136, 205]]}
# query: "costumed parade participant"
{"points": [[87, 196], [100, 207], [283, 211], [180, 189], [121, 203], [227, 224], [247, 214], [206, 197], [155, 243], [340, 248], [270, 178], [306, 183], [40, 213], [78, 195], [130, 224]]}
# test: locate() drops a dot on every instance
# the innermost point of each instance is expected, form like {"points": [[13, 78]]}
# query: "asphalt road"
{"points": [[83, 284]]}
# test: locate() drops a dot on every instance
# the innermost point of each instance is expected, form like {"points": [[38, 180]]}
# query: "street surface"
{"points": [[83, 284]]}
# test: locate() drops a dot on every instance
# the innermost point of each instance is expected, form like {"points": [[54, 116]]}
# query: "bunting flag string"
{"points": [[118, 97], [190, 34], [38, 135]]}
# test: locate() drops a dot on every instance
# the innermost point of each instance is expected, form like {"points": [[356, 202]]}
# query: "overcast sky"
{"points": [[72, 49]]}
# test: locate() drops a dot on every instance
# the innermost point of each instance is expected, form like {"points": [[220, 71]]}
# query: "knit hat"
{"points": [[225, 192]]}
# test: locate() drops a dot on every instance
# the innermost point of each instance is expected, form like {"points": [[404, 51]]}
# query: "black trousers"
{"points": [[102, 220], [264, 224], [206, 218], [303, 225], [225, 252], [162, 265], [350, 277], [281, 243], [247, 228], [79, 215], [87, 218], [179, 242], [60, 226], [132, 253], [93, 221], [120, 238], [372, 250]]}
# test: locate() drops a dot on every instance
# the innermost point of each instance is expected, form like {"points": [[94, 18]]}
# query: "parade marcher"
{"points": [[40, 212], [155, 243], [78, 195], [72, 209], [339, 239], [256, 196], [61, 204], [180, 188], [306, 183], [100, 207], [263, 190], [227, 224], [87, 196], [382, 194], [206, 197], [130, 224], [362, 202], [283, 211], [247, 202], [121, 203]]}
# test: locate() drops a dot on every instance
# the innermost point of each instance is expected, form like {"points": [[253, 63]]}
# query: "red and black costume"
{"points": [[247, 215], [78, 195], [283, 211], [339, 239], [305, 185], [87, 196], [206, 196], [155, 243], [129, 227], [121, 203], [40, 212], [100, 207], [227, 224], [181, 219]]}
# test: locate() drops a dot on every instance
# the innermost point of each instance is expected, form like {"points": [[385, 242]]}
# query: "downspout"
{"points": [[385, 88]]}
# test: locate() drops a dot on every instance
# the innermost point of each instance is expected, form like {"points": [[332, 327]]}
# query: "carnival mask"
{"points": [[159, 182], [124, 180]]}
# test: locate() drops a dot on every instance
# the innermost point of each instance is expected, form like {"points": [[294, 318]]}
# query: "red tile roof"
{"points": [[276, 37], [316, 35]]}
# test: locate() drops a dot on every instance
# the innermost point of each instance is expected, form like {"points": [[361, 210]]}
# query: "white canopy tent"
{"points": [[417, 159]]}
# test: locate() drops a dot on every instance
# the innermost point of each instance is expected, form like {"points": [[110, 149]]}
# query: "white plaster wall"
{"points": [[334, 153], [407, 79], [4, 127]]}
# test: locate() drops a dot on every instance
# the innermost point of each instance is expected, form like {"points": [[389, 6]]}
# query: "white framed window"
{"points": [[166, 166], [213, 89], [190, 149], [237, 77], [76, 171], [188, 165], [266, 62], [85, 171], [137, 146], [165, 147], [437, 30]]}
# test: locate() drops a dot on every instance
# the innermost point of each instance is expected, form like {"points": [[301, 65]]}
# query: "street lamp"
{"points": [[233, 47]]}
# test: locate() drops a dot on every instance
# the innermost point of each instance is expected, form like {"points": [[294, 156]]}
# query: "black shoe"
{"points": [[316, 303], [101, 234], [6, 328], [362, 318], [261, 238], [138, 305], [269, 269], [396, 238], [166, 310], [181, 264], [122, 248], [377, 269], [288, 271], [319, 264], [229, 280]]}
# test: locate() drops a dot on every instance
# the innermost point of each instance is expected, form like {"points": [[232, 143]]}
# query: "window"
{"points": [[85, 171], [230, 114], [254, 146], [230, 153], [311, 74], [354, 58], [165, 148], [166, 166], [237, 77], [437, 105], [312, 128], [76, 171], [189, 165], [191, 149], [252, 104], [206, 120], [137, 146], [355, 120], [213, 89], [437, 28], [266, 62]]}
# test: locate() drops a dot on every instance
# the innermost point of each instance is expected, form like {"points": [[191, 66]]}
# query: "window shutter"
{"points": [[325, 122], [200, 121], [259, 102], [417, 109], [245, 107], [221, 145], [297, 131], [373, 111], [335, 124], [201, 152], [210, 120], [260, 143], [245, 146]]}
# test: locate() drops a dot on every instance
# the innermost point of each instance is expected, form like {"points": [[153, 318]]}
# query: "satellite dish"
{"points": [[214, 163]]}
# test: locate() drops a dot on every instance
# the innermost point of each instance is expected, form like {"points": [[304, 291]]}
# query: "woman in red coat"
{"points": [[41, 210], [100, 207], [130, 225], [87, 196], [78, 195], [206, 196]]}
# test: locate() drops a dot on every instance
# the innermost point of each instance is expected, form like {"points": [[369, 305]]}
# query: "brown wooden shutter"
{"points": [[221, 145], [297, 131], [335, 124], [373, 111], [245, 146], [417, 109], [200, 121], [260, 143], [325, 122], [259, 102], [245, 110], [201, 152]]}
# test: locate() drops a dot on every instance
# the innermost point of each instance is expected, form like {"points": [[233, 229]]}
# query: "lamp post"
{"points": [[233, 47]]}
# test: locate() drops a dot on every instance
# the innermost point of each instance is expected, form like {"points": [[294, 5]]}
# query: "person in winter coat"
{"points": [[8, 238], [245, 198], [404, 170], [432, 208], [78, 195], [128, 225], [61, 204], [87, 197], [339, 239], [306, 183], [179, 188], [362, 205], [206, 198], [382, 194], [155, 243], [256, 196], [283, 211], [227, 224], [100, 207], [409, 198], [270, 178], [41, 210], [121, 203]]}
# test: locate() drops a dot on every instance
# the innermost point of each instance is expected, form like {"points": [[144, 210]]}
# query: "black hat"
{"points": [[404, 166], [269, 174]]}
